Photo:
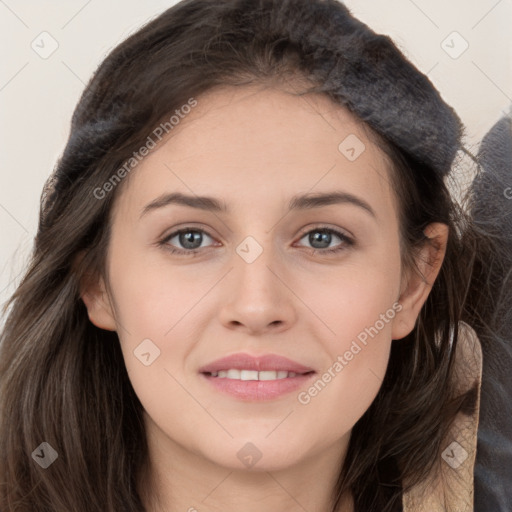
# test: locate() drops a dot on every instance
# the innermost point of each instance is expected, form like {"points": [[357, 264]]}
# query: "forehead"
{"points": [[252, 145]]}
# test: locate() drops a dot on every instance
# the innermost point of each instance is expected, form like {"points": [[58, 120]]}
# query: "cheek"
{"points": [[346, 387], [154, 308], [359, 308], [355, 297], [150, 296], [155, 341]]}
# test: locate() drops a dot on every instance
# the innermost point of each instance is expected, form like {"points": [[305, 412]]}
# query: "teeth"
{"points": [[252, 374], [267, 375], [246, 375]]}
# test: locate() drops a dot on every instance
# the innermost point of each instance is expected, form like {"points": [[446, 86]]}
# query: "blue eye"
{"points": [[323, 237], [191, 240]]}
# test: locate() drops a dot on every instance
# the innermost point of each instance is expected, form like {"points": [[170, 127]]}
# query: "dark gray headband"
{"points": [[375, 80]]}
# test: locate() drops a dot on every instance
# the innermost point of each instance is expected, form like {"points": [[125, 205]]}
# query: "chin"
{"points": [[255, 455]]}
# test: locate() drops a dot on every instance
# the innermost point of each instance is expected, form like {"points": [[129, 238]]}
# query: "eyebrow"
{"points": [[298, 202]]}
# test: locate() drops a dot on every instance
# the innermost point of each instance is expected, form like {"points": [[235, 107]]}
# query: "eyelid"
{"points": [[347, 241], [324, 227], [176, 231], [184, 227]]}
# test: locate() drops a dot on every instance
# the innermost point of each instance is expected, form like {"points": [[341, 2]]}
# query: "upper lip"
{"points": [[267, 362]]}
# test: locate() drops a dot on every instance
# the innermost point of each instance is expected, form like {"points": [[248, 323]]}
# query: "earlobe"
{"points": [[98, 304], [419, 281]]}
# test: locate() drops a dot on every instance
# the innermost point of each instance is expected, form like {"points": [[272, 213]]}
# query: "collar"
{"points": [[449, 487]]}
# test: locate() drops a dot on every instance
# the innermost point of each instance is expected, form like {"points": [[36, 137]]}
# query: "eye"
{"points": [[320, 238], [190, 239]]}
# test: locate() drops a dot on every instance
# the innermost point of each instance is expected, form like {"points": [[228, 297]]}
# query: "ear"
{"points": [[94, 294], [416, 288]]}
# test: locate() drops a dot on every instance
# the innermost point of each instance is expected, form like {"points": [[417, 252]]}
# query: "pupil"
{"points": [[324, 238], [189, 237]]}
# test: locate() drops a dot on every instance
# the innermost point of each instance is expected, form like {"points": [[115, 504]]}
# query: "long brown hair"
{"points": [[63, 381]]}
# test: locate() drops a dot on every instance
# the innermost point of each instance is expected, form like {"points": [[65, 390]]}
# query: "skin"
{"points": [[255, 148]]}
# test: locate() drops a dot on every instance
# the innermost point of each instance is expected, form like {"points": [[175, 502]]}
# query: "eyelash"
{"points": [[346, 241]]}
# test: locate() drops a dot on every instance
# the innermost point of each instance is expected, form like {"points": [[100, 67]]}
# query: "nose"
{"points": [[259, 298]]}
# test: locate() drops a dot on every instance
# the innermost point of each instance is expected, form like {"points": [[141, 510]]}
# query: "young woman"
{"points": [[248, 281]]}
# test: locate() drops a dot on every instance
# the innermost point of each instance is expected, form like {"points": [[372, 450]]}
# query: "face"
{"points": [[266, 268]]}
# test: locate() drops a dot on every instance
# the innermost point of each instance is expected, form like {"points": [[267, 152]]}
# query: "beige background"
{"points": [[38, 95]]}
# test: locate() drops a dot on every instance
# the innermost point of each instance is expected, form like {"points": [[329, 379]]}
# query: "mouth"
{"points": [[251, 375], [254, 379]]}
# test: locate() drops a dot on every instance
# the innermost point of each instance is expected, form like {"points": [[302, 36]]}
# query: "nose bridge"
{"points": [[258, 299], [252, 268]]}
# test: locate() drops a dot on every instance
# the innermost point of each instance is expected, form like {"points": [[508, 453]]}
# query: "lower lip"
{"points": [[256, 390]]}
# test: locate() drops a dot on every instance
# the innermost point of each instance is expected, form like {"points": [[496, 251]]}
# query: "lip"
{"points": [[245, 361], [257, 390]]}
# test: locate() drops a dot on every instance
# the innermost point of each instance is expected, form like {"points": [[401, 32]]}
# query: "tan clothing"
{"points": [[452, 490]]}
